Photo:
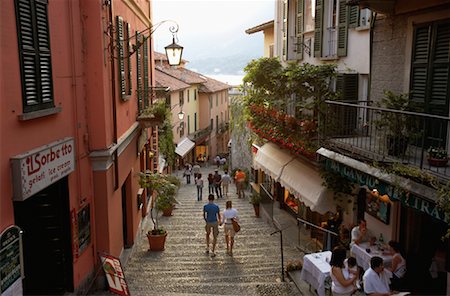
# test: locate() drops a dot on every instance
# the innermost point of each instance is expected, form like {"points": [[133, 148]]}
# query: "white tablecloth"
{"points": [[363, 258], [316, 269]]}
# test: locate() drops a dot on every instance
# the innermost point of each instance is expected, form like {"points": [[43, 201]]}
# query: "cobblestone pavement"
{"points": [[184, 268]]}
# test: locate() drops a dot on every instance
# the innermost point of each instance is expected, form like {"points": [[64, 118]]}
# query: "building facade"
{"points": [[73, 85]]}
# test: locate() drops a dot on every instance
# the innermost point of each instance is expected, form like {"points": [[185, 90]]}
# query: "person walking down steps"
{"points": [[211, 214], [199, 184], [229, 214]]}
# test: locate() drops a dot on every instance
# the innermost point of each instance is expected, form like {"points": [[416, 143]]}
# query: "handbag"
{"points": [[236, 226]]}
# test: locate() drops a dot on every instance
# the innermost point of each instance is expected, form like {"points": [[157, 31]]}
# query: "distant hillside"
{"points": [[230, 65]]}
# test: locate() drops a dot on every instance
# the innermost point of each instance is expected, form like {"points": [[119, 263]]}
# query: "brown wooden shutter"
{"points": [[139, 71], [146, 73], [128, 57], [120, 56]]}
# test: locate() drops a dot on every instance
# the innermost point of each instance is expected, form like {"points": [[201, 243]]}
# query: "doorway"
{"points": [[47, 249]]}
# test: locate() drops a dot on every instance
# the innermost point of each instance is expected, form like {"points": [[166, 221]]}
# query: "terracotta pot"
{"points": [[156, 242], [256, 208], [167, 212], [438, 162]]}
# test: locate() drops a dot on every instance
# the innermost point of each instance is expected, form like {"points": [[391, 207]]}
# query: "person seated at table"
{"points": [[352, 270], [360, 234], [376, 279], [340, 285], [398, 265]]}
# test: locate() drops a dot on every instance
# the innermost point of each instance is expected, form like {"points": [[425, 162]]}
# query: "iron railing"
{"points": [[365, 132], [199, 134]]}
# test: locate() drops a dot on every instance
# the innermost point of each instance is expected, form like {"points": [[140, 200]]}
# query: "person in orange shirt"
{"points": [[239, 179]]}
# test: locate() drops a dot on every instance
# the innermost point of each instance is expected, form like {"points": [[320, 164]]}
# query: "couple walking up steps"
{"points": [[213, 218]]}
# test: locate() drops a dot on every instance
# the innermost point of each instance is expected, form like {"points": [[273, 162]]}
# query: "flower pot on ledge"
{"points": [[438, 162]]}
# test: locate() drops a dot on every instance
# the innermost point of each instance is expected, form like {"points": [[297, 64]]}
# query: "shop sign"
{"points": [[424, 206], [41, 167], [114, 275], [11, 261], [394, 193]]}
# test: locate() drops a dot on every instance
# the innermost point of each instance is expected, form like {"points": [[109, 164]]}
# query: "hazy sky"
{"points": [[212, 27]]}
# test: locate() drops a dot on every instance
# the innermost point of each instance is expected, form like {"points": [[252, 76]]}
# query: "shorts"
{"points": [[215, 228], [228, 228]]}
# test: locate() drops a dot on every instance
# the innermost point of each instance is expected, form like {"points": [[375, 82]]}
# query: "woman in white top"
{"points": [[229, 214], [398, 266], [340, 285]]}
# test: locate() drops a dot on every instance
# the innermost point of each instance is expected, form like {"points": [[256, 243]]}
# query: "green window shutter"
{"points": [[121, 55], [318, 24], [353, 21], [419, 67], [146, 73], [128, 53], [139, 71], [285, 30], [440, 68], [299, 28], [347, 86], [35, 54], [342, 29]]}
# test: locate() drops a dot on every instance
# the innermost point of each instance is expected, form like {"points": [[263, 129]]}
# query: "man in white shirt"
{"points": [[226, 180], [376, 279], [360, 233]]}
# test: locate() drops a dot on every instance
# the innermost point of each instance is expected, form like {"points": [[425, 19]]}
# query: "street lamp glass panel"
{"points": [[173, 53], [181, 115]]}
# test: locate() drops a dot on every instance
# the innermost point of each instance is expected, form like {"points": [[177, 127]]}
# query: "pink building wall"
{"points": [[81, 72]]}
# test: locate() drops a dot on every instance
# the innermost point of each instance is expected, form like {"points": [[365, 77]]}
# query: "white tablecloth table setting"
{"points": [[363, 257], [316, 269]]}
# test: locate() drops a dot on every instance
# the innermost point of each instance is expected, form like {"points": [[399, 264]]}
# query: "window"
{"points": [[195, 95], [211, 124], [217, 100], [359, 17], [195, 121], [188, 95], [292, 29], [331, 28], [124, 58], [189, 124], [181, 98], [210, 102], [430, 73], [217, 123], [34, 54]]}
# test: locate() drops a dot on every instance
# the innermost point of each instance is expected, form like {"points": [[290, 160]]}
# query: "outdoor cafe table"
{"points": [[363, 257], [316, 269]]}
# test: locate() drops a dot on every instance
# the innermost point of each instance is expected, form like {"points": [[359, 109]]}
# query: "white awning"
{"points": [[305, 183], [184, 146], [298, 177], [271, 159]]}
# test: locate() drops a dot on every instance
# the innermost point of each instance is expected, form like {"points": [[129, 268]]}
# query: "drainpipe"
{"points": [[372, 26], [113, 94]]}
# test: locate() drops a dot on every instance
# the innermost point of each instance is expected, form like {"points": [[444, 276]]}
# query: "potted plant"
{"points": [[395, 124], [437, 156], [255, 200], [154, 114], [163, 189]]}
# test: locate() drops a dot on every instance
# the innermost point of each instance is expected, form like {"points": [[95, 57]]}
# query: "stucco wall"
{"points": [[388, 56]]}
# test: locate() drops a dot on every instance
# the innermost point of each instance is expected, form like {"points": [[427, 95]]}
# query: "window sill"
{"points": [[362, 28], [330, 58], [39, 113]]}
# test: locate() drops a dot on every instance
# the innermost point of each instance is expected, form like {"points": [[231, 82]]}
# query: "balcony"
{"points": [[359, 131], [199, 135]]}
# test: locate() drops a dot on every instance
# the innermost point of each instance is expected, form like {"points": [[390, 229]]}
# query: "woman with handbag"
{"points": [[230, 214]]}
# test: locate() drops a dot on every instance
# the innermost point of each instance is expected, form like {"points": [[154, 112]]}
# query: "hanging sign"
{"points": [[41, 167], [11, 261], [114, 275]]}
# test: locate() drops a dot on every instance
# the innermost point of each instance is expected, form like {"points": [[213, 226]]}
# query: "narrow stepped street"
{"points": [[184, 268]]}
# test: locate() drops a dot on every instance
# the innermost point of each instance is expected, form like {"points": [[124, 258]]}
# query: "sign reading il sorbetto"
{"points": [[41, 167]]}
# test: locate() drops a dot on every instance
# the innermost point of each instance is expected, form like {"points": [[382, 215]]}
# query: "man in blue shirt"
{"points": [[211, 214]]}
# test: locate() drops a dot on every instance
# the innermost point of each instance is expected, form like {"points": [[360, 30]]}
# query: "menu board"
{"points": [[11, 261]]}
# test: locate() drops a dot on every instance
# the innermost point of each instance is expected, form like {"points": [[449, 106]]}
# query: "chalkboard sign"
{"points": [[11, 272]]}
